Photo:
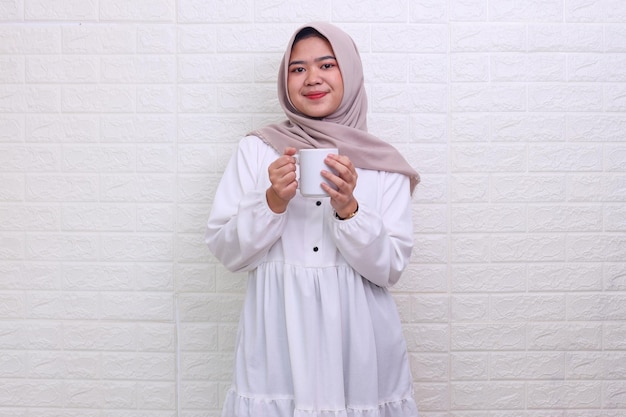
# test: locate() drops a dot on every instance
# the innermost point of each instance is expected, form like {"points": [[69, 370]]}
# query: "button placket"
{"points": [[313, 230], [318, 203]]}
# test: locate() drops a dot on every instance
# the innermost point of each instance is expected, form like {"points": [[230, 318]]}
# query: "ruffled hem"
{"points": [[240, 406]]}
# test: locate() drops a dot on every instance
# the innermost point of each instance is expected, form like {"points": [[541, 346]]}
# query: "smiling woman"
{"points": [[319, 334]]}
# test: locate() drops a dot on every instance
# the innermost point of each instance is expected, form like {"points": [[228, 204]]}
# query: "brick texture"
{"points": [[117, 118]]}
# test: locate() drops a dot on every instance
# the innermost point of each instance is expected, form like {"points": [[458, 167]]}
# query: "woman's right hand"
{"points": [[282, 174]]}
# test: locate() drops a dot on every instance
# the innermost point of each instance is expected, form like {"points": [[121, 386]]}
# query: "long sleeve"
{"points": [[378, 241], [241, 227]]}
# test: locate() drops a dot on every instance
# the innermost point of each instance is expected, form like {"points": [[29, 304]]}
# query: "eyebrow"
{"points": [[322, 58]]}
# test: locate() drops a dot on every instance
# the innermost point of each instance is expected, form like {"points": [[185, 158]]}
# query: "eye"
{"points": [[297, 70], [328, 66]]}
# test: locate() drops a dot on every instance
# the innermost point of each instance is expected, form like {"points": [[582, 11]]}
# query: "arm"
{"points": [[241, 227], [378, 244]]}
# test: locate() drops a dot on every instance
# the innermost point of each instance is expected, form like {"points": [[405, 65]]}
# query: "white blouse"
{"points": [[319, 332]]}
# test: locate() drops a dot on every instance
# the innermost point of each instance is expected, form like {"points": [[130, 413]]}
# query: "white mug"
{"points": [[310, 166]]}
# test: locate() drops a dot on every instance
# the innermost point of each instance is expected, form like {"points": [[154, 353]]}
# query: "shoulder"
{"points": [[384, 176], [255, 143], [252, 151]]}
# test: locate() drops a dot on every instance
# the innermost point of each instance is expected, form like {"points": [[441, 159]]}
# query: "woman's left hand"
{"points": [[342, 199]]}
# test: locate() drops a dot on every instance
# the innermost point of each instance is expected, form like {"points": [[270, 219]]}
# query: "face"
{"points": [[314, 82]]}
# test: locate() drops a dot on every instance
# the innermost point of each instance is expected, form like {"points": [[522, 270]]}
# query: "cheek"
{"points": [[293, 97], [291, 89], [340, 89], [338, 81]]}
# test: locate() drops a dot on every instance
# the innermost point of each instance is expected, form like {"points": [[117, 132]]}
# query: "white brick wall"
{"points": [[117, 118]]}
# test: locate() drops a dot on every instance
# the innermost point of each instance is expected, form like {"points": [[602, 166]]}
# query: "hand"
{"points": [[341, 199], [282, 174]]}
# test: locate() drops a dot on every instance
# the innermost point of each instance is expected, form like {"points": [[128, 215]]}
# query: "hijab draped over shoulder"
{"points": [[346, 128]]}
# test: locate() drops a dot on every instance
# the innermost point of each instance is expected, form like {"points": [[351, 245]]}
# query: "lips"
{"points": [[315, 95]]}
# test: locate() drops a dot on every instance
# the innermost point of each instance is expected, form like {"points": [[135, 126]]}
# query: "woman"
{"points": [[319, 333]]}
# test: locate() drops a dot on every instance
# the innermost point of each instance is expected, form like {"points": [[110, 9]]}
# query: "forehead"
{"points": [[313, 46]]}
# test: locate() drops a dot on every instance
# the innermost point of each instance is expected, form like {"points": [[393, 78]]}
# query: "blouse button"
{"points": [[319, 203], [315, 249]]}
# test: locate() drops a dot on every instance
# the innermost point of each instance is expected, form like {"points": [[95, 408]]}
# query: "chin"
{"points": [[316, 113]]}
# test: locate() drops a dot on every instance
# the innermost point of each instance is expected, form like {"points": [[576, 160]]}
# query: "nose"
{"points": [[312, 77]]}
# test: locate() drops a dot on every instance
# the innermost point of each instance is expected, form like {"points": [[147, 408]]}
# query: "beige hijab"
{"points": [[346, 128]]}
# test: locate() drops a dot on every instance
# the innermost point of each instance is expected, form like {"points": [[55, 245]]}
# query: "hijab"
{"points": [[346, 128]]}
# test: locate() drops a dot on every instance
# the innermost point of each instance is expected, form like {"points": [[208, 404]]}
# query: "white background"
{"points": [[117, 118]]}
